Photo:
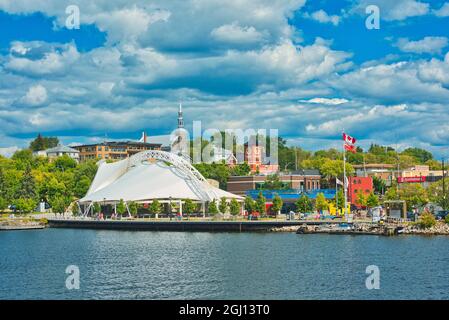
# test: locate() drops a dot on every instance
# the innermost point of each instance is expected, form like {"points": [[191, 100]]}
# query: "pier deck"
{"points": [[227, 226]]}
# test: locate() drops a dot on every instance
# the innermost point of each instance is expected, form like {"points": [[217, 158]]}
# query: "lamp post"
{"points": [[444, 186]]}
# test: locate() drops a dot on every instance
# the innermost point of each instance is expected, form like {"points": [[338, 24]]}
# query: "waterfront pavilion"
{"points": [[147, 176]]}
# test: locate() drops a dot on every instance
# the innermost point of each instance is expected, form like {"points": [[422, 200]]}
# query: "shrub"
{"points": [[427, 220]]}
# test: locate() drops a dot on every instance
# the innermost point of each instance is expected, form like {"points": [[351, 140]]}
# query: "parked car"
{"points": [[441, 215]]}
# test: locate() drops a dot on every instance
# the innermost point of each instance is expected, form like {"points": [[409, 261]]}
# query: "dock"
{"points": [[207, 226], [19, 227]]}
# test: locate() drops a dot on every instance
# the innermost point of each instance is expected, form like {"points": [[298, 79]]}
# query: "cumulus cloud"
{"points": [[322, 17], [35, 96], [443, 11], [223, 64], [396, 82], [433, 45], [234, 33], [331, 101], [40, 59], [395, 10]]}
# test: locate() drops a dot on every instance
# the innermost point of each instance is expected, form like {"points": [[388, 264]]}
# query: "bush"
{"points": [[446, 219], [427, 220]]}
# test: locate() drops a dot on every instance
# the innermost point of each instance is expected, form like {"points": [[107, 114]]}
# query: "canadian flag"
{"points": [[350, 148], [348, 139]]}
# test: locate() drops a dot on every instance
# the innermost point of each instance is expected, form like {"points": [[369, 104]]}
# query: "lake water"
{"points": [[183, 265]]}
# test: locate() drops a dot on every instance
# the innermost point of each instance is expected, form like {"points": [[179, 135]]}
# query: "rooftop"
{"points": [[61, 148], [120, 143]]}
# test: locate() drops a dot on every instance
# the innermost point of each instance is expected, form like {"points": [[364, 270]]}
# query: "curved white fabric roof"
{"points": [[148, 181]]}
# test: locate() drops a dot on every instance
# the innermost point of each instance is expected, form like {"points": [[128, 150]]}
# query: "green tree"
{"points": [[391, 194], [242, 169], [27, 184], [436, 194], [321, 202], [60, 204], [379, 185], [277, 204], [155, 207], [189, 207], [414, 195], [273, 182], [334, 168], [260, 204], [249, 204], [25, 205], [64, 163], [133, 208], [426, 220], [43, 143], [22, 158], [223, 206], [234, 207], [419, 154], [361, 199], [304, 204], [213, 210], [372, 200], [121, 207], [341, 199], [96, 208], [3, 203]]}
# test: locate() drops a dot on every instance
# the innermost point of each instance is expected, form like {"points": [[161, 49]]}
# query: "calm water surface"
{"points": [[177, 265]]}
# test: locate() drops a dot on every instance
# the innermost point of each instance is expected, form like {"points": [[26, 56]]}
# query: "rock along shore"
{"points": [[441, 228]]}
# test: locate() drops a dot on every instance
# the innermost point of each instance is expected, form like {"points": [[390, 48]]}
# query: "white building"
{"points": [[59, 151]]}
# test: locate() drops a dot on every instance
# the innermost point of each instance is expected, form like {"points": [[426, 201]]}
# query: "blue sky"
{"points": [[307, 68]]}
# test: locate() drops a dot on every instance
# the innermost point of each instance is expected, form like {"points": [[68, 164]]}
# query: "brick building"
{"points": [[357, 185], [113, 150], [309, 180]]}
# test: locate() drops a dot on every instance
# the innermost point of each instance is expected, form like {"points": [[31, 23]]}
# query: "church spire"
{"points": [[180, 119]]}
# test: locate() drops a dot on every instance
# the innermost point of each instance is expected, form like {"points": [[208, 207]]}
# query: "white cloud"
{"points": [[395, 10], [234, 33], [327, 101], [322, 17], [55, 60], [435, 70], [443, 11], [127, 24], [397, 82], [35, 96], [432, 45]]}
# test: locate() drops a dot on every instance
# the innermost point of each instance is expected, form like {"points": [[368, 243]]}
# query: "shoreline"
{"points": [[308, 227]]}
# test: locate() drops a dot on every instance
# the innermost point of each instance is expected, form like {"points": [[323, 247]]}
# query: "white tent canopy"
{"points": [[151, 175]]}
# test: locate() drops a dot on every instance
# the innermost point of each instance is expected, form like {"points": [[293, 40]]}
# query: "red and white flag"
{"points": [[350, 148], [348, 139]]}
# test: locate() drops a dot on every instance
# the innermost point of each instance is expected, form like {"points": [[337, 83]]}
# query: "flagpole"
{"points": [[336, 197], [344, 179]]}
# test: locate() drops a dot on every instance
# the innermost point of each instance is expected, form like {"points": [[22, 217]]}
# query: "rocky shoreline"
{"points": [[441, 228], [22, 224]]}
